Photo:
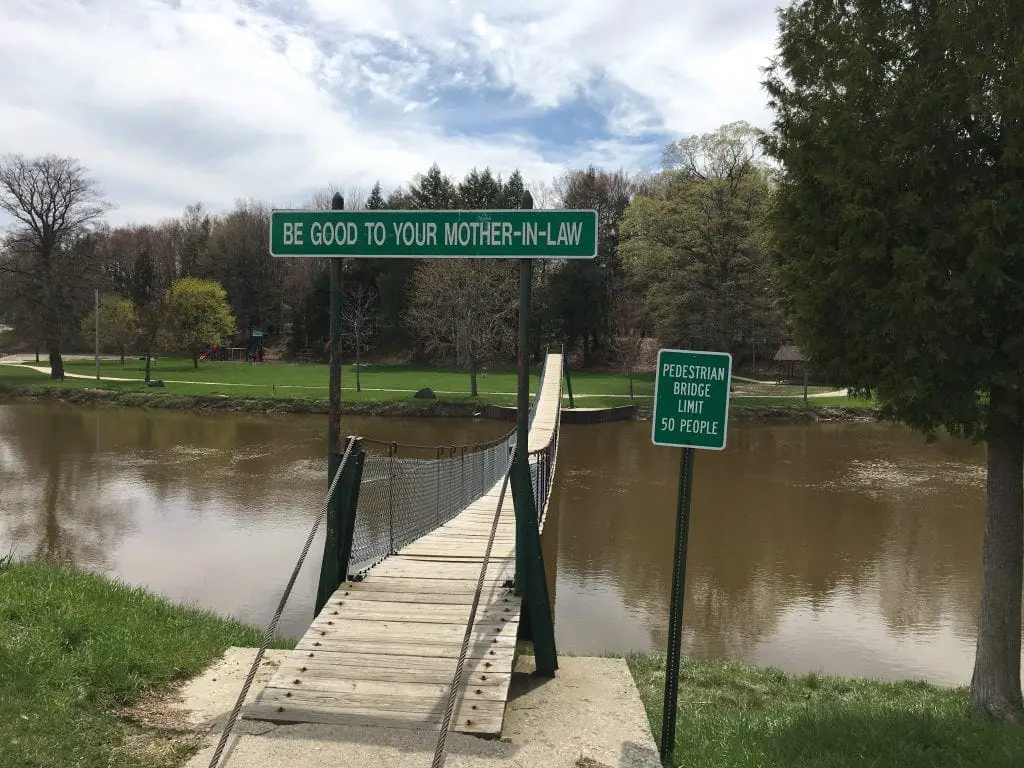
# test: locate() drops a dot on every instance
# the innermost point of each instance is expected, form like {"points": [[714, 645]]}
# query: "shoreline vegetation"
{"points": [[386, 391], [80, 652]]}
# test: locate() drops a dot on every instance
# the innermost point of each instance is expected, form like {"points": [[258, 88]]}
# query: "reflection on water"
{"points": [[851, 548]]}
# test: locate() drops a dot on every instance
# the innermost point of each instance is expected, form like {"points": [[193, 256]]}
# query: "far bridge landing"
{"points": [[383, 650]]}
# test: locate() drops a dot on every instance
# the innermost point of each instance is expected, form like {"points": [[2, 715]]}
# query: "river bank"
{"points": [[85, 658], [826, 411], [391, 390]]}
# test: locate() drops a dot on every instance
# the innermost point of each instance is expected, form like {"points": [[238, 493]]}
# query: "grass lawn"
{"points": [[74, 646], [384, 384], [734, 716]]}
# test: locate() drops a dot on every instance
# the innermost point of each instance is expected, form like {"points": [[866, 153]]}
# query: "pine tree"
{"points": [[899, 228], [433, 191], [376, 200]]}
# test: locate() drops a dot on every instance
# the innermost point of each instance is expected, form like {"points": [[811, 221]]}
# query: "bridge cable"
{"points": [[272, 628], [440, 751]]}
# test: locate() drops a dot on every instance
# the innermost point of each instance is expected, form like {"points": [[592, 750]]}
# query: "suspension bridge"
{"points": [[421, 631]]}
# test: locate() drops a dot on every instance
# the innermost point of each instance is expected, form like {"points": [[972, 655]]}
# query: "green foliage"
{"points": [[899, 218], [433, 191], [480, 190], [376, 200], [900, 232], [576, 299], [198, 315], [700, 247], [119, 325]]}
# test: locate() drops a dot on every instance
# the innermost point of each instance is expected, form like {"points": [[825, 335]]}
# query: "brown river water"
{"points": [[848, 548]]}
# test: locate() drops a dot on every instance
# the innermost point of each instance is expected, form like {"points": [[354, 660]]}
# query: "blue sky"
{"points": [[172, 101]]}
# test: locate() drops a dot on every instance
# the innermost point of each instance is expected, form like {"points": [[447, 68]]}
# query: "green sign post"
{"points": [[381, 234], [691, 410]]}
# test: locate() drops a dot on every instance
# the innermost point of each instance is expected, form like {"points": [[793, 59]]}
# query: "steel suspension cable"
{"points": [[272, 627], [440, 751]]}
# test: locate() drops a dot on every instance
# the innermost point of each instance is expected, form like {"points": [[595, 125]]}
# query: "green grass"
{"points": [[380, 384], [74, 646], [734, 716]]}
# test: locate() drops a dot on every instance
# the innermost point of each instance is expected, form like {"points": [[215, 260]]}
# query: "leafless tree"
{"points": [[464, 310], [630, 321], [53, 202], [358, 322]]}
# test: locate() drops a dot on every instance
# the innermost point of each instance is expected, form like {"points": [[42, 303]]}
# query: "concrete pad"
{"points": [[591, 710], [589, 715]]}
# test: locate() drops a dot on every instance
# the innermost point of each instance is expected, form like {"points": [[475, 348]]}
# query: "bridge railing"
{"points": [[403, 496], [542, 466]]}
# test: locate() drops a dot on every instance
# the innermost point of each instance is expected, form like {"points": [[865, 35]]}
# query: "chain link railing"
{"points": [[403, 497]]}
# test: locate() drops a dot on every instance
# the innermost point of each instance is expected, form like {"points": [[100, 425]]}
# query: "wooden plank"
{"points": [[404, 631], [464, 598], [381, 582], [411, 694], [369, 666], [500, 653], [276, 707], [353, 624], [381, 610], [469, 572]]}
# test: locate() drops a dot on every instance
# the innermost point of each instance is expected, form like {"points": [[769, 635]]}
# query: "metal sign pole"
{"points": [[675, 617], [691, 411]]}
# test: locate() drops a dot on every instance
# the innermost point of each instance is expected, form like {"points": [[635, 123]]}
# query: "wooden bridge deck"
{"points": [[383, 650]]}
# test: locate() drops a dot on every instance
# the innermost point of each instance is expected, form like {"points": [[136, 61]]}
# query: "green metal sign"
{"points": [[499, 234], [691, 399]]}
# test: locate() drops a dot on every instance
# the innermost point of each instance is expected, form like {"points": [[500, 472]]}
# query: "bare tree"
{"points": [[359, 322], [630, 321], [52, 201], [464, 310]]}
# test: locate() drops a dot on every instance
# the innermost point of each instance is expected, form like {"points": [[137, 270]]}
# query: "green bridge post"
{"points": [[531, 578], [568, 379], [329, 568]]}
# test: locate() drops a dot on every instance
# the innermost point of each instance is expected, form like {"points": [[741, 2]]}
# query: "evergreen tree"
{"points": [[899, 229], [433, 191], [512, 191], [376, 200]]}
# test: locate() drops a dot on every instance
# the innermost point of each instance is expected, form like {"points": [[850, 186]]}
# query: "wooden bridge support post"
{"points": [[333, 536], [531, 579]]}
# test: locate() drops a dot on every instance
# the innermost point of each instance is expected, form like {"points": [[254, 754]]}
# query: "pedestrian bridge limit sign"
{"points": [[691, 399]]}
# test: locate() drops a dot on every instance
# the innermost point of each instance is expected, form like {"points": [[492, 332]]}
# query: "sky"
{"points": [[169, 102]]}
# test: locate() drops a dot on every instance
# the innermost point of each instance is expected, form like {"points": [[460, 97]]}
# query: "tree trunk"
{"points": [[37, 354], [56, 363], [359, 386], [995, 684], [631, 382], [472, 381], [52, 333], [148, 358], [195, 360], [122, 355]]}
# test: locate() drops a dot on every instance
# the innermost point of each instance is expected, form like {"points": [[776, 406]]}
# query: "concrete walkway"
{"points": [[589, 715]]}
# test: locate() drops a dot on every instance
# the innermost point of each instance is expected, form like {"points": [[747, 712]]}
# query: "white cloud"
{"points": [[168, 103]]}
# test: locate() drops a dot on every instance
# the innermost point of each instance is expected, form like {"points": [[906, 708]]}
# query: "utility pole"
{"points": [[97, 298]]}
